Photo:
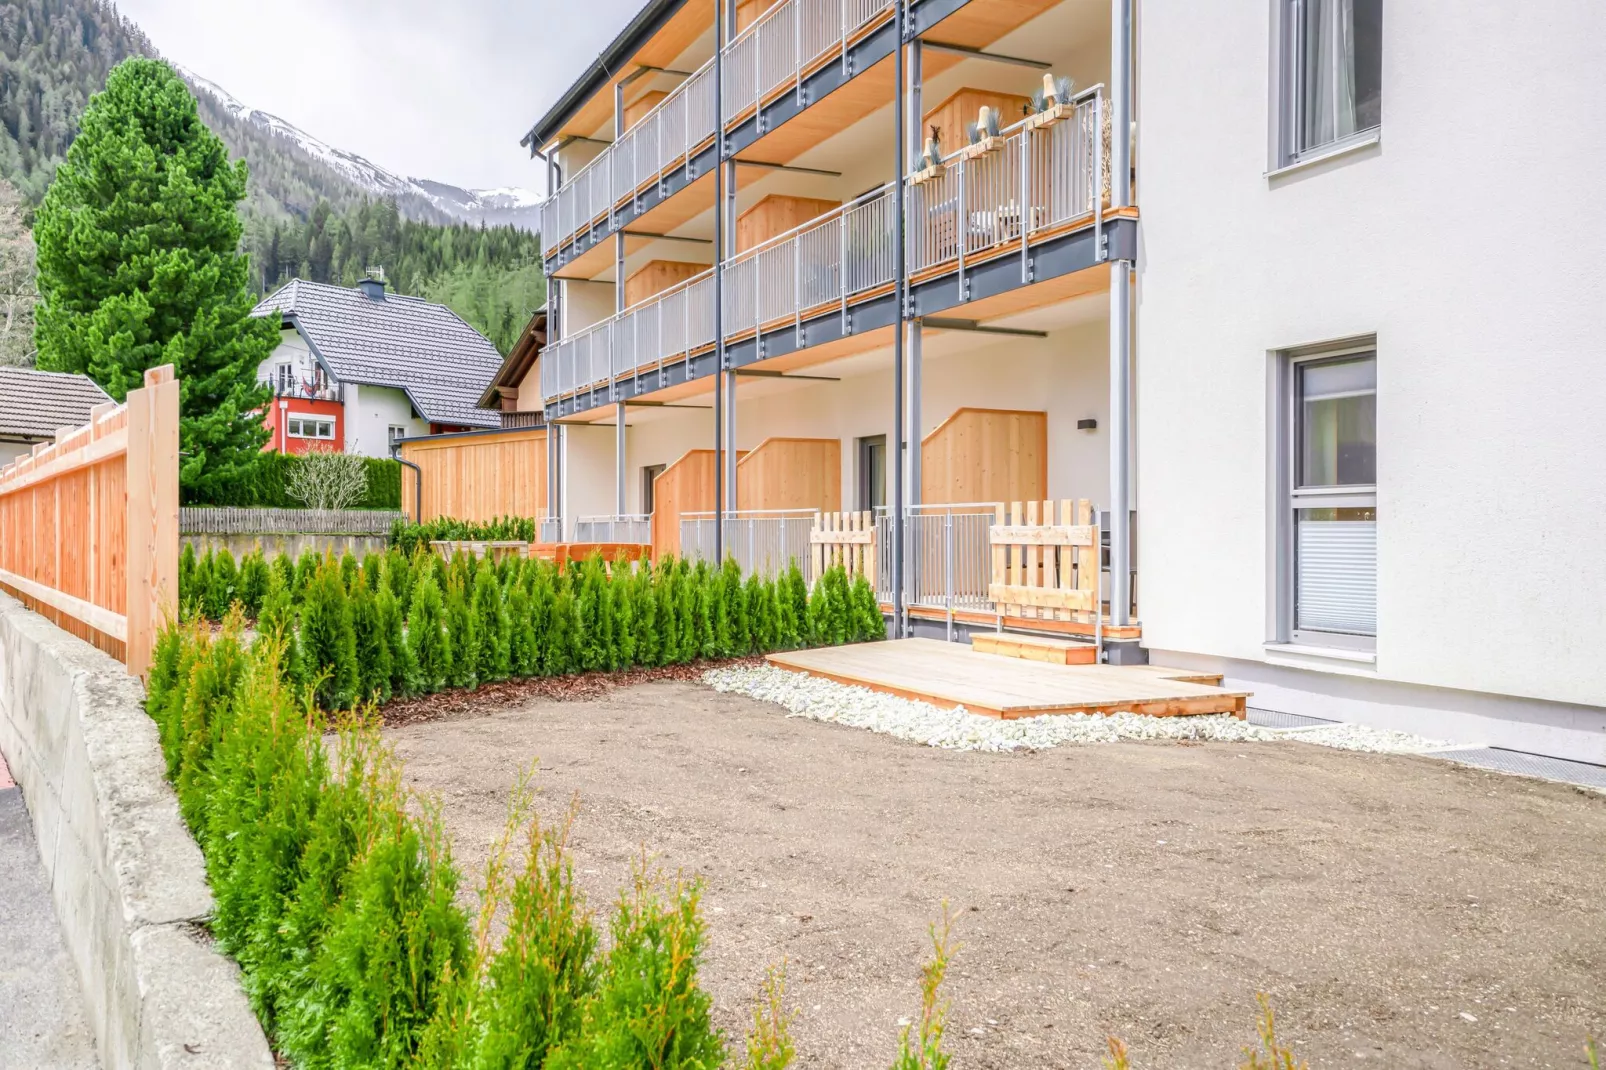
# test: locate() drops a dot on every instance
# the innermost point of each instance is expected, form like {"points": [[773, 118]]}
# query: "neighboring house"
{"points": [[359, 369], [1356, 411], [34, 405], [515, 391]]}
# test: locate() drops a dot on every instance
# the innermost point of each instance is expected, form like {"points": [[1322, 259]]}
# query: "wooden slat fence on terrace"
{"points": [[846, 539], [89, 523], [1045, 567]]}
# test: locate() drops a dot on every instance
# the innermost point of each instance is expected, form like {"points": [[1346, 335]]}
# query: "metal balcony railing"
{"points": [[627, 527], [784, 42], [659, 141], [765, 541], [1037, 180], [775, 51]]}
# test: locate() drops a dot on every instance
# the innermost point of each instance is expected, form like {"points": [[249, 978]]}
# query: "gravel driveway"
{"points": [[1397, 910]]}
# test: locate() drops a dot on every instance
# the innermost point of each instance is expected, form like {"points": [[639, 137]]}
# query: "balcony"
{"points": [[977, 207], [785, 44], [315, 390]]}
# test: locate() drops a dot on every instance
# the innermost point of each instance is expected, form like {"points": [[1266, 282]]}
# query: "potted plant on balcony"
{"points": [[928, 162], [984, 134], [1051, 103]]}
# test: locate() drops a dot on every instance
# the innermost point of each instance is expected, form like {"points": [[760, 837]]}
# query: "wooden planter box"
{"points": [[926, 174], [495, 550], [982, 147], [1049, 116]]}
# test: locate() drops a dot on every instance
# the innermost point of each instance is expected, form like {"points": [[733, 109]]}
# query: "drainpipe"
{"points": [[418, 482]]}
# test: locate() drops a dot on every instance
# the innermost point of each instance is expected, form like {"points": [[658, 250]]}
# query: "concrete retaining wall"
{"points": [[128, 881], [240, 545]]}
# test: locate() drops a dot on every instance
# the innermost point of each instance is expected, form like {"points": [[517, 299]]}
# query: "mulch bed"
{"points": [[508, 694]]}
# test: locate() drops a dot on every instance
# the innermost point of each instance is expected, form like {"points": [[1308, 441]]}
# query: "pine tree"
{"points": [[140, 265], [460, 626], [373, 651], [427, 638], [492, 625], [328, 641]]}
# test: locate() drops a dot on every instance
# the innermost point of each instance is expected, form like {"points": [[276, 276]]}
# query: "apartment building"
{"points": [[1247, 278]]}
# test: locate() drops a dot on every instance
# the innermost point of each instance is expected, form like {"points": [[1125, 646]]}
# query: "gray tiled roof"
{"points": [[36, 404], [406, 342]]}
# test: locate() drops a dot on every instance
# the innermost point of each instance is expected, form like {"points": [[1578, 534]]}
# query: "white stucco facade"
{"points": [[1466, 243], [371, 413]]}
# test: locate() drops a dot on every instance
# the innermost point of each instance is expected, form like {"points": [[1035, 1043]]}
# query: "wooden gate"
{"points": [[1045, 568], [89, 523], [846, 539]]}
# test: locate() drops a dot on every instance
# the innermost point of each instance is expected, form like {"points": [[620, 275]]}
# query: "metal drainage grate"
{"points": [[1535, 765], [1273, 719]]}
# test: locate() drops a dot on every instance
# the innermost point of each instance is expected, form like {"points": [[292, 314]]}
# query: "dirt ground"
{"points": [[1398, 911]]}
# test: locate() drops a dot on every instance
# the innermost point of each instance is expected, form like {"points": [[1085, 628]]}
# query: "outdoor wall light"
{"points": [[1087, 425]]}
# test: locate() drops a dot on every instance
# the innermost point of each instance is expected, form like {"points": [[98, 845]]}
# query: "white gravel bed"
{"points": [[819, 699]]}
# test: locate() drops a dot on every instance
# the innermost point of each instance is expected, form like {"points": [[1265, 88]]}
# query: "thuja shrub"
{"points": [[329, 639], [410, 537]]}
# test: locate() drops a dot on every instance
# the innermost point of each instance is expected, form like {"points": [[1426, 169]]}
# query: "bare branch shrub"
{"points": [[325, 478]]}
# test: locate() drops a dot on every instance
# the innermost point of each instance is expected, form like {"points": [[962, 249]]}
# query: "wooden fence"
{"points": [[478, 475], [846, 539], [1045, 568], [232, 520], [89, 523]]}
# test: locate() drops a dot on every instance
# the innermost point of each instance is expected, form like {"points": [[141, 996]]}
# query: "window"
{"points": [[1332, 74], [873, 472], [649, 473], [396, 433], [1328, 515], [284, 378], [307, 426]]}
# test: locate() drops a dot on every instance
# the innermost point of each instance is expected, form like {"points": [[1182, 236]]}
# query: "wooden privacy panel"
{"points": [[791, 473], [656, 276], [985, 455], [89, 524], [777, 214], [846, 539], [1045, 567], [687, 486], [962, 107], [478, 476], [636, 109]]}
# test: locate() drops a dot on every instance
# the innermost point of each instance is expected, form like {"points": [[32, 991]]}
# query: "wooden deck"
{"points": [[951, 674]]}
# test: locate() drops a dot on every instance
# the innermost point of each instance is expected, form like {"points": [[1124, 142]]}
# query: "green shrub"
{"points": [[370, 572], [306, 565], [201, 584], [186, 574], [594, 602], [410, 537], [252, 582], [644, 617], [523, 656], [648, 1010], [427, 637], [348, 570], [373, 645], [759, 595], [286, 569], [733, 596], [665, 597], [460, 627], [398, 655], [266, 485], [400, 574], [868, 623], [277, 618], [563, 644], [492, 627], [791, 609], [328, 640], [923, 1051]]}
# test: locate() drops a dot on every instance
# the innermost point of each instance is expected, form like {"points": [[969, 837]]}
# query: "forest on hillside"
{"points": [[302, 218]]}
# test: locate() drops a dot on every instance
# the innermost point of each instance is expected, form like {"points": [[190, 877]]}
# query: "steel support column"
{"points": [[1120, 321], [719, 277], [900, 275], [620, 507]]}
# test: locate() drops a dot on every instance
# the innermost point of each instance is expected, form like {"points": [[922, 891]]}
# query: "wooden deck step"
{"points": [[1034, 648]]}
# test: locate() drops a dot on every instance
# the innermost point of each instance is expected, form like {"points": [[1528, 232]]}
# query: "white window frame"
{"points": [[394, 433], [1286, 75], [284, 377], [1286, 497], [301, 419]]}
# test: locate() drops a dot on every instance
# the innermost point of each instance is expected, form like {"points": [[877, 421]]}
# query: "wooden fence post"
{"points": [[152, 514]]}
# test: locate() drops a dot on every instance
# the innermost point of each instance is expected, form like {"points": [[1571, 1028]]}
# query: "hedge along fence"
{"points": [[410, 537], [267, 487], [400, 625], [336, 890], [238, 520]]}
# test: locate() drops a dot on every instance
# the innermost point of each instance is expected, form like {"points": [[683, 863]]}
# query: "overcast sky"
{"points": [[439, 89]]}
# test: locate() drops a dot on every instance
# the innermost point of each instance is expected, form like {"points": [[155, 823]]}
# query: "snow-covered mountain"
{"points": [[419, 197]]}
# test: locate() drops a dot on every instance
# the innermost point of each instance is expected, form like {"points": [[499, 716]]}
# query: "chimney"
{"points": [[372, 288]]}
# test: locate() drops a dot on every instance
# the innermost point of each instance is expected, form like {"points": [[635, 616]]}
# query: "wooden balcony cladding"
{"points": [[985, 455], [642, 105], [687, 486], [791, 473], [777, 214], [951, 117], [656, 276], [477, 476]]}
